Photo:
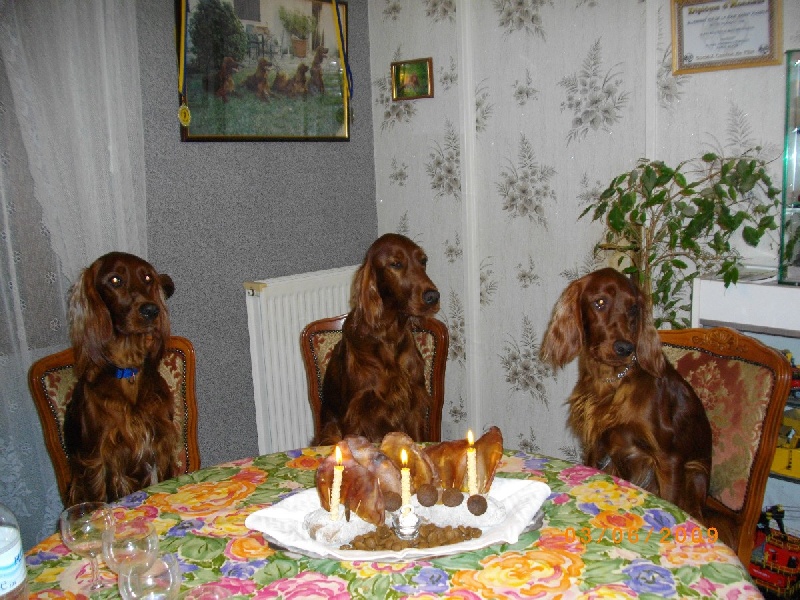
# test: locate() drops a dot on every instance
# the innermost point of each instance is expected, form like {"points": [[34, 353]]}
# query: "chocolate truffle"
{"points": [[391, 501], [476, 504], [452, 497], [427, 494]]}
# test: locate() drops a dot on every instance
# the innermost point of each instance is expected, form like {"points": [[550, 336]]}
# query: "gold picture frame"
{"points": [[709, 35], [412, 79], [272, 70]]}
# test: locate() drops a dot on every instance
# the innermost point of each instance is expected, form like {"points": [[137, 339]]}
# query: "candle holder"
{"points": [[405, 523]]}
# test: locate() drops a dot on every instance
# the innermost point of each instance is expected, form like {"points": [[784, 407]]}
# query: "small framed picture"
{"points": [[412, 79], [709, 35]]}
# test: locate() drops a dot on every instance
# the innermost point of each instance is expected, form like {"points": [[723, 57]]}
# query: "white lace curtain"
{"points": [[72, 187]]}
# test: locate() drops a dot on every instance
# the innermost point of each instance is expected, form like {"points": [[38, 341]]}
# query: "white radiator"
{"points": [[277, 311]]}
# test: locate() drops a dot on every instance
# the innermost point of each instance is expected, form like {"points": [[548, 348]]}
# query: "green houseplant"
{"points": [[299, 25], [668, 225]]}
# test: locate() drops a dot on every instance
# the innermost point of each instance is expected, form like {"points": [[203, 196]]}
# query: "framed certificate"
{"points": [[725, 34]]}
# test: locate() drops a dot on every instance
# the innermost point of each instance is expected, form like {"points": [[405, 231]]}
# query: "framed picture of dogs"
{"points": [[263, 70], [412, 79], [709, 35]]}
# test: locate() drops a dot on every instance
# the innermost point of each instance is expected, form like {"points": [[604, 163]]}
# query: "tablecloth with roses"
{"points": [[601, 537]]}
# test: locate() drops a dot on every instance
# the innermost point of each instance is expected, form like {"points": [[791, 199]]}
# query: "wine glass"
{"points": [[82, 527], [130, 542], [159, 581]]}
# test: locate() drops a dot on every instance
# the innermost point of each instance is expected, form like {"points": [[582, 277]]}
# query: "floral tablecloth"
{"points": [[601, 538]]}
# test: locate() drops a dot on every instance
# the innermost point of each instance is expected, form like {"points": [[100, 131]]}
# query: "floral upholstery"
{"points": [[173, 370], [323, 342], [59, 384], [735, 394]]}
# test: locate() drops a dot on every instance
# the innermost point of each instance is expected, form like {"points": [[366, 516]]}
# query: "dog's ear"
{"points": [[365, 300], [167, 289], [166, 284], [90, 324], [648, 345], [564, 337]]}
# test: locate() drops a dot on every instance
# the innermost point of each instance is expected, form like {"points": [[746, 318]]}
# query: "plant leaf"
{"points": [[627, 201], [751, 235], [616, 218]]}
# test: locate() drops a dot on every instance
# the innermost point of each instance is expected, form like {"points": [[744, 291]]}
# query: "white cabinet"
{"points": [[763, 306]]}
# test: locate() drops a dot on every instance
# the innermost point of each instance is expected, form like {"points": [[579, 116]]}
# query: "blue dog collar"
{"points": [[126, 373]]}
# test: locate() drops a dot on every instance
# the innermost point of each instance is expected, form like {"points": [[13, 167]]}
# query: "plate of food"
{"points": [[301, 524]]}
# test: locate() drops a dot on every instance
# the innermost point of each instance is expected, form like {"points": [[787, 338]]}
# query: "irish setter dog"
{"points": [[118, 426], [257, 82], [225, 85], [294, 86], [316, 84], [375, 380], [636, 417]]}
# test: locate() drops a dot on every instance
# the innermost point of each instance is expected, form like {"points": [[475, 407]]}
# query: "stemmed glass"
{"points": [[159, 581], [82, 527], [128, 543]]}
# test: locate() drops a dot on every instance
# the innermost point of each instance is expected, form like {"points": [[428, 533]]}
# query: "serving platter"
{"points": [[516, 503]]}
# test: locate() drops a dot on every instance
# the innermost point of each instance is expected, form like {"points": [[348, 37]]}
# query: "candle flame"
{"points": [[470, 439], [338, 455], [404, 457]]}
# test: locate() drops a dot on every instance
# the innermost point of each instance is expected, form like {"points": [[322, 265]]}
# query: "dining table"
{"points": [[596, 536]]}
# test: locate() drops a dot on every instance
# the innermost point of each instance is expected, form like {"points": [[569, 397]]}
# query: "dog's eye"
{"points": [[600, 303], [396, 264], [148, 278], [116, 281], [424, 261]]}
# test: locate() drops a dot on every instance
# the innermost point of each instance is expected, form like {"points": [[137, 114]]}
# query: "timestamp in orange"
{"points": [[618, 535]]}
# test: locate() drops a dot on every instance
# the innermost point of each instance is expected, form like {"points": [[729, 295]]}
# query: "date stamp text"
{"points": [[618, 535]]}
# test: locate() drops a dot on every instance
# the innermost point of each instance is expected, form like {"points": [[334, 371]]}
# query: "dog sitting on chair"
{"points": [[118, 427], [375, 380], [636, 417]]}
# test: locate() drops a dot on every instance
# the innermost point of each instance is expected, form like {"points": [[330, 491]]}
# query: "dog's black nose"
{"points": [[149, 311], [623, 348], [430, 297]]}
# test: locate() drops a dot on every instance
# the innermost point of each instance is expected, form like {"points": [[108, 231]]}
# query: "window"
{"points": [[248, 10]]}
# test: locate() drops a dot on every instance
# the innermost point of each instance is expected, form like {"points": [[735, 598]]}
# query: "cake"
{"points": [[369, 480]]}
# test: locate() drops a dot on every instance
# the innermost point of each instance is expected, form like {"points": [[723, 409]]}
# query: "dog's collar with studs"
{"points": [[129, 373], [622, 373]]}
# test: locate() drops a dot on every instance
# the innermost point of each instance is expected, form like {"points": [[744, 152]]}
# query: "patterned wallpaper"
{"points": [[537, 105]]}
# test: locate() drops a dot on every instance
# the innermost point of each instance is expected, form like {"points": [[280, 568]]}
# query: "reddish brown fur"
{"points": [[375, 380], [257, 82], [649, 426], [119, 433], [294, 86], [225, 85], [316, 85]]}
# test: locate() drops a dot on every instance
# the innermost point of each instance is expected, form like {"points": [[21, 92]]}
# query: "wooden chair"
{"points": [[51, 381], [433, 340], [743, 385]]}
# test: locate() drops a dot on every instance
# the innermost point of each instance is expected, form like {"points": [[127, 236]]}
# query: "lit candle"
{"points": [[337, 485], [405, 479], [472, 474]]}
